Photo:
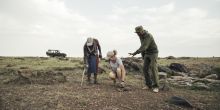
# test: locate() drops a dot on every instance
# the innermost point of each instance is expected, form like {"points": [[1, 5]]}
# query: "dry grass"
{"points": [[71, 95]]}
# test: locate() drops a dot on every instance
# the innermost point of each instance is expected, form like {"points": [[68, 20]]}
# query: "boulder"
{"points": [[180, 102], [133, 65], [178, 67]]}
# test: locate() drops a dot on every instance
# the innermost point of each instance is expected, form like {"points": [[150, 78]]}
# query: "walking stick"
{"points": [[83, 74]]}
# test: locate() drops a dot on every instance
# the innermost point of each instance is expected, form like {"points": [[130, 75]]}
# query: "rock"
{"points": [[139, 77], [200, 85], [178, 67], [206, 81], [212, 76], [179, 74], [180, 102], [162, 75], [164, 69], [163, 81], [123, 89], [201, 70], [133, 65], [180, 81]]}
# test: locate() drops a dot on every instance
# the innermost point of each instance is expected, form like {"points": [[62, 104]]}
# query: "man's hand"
{"points": [[132, 54]]}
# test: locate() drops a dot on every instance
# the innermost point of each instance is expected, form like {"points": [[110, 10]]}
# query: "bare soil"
{"points": [[68, 94]]}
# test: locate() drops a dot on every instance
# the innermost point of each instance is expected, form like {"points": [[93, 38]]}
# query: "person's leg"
{"points": [[121, 74], [146, 67], [154, 70], [89, 70], [95, 78], [113, 77], [89, 77], [121, 77], [93, 68]]}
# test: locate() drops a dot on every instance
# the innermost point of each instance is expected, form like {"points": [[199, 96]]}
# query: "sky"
{"points": [[180, 27]]}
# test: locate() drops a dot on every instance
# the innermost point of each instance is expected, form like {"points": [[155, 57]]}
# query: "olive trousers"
{"points": [[150, 70]]}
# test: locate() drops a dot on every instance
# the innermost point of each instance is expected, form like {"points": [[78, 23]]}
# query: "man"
{"points": [[149, 52], [92, 53]]}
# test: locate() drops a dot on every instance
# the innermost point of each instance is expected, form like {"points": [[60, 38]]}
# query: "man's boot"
{"points": [[95, 79], [89, 78]]}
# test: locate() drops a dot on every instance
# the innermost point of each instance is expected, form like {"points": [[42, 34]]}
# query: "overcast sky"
{"points": [[179, 27]]}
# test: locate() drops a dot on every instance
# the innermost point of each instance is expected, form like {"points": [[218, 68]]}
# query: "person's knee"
{"points": [[112, 75], [118, 70]]}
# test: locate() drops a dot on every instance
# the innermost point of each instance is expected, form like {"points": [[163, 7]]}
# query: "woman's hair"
{"points": [[115, 52]]}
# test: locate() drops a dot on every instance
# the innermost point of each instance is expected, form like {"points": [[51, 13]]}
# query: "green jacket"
{"points": [[148, 45]]}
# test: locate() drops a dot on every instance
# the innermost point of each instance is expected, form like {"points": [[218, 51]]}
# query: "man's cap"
{"points": [[139, 29], [109, 55], [89, 41]]}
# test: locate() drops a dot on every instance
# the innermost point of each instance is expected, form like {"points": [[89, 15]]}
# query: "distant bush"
{"points": [[171, 57]]}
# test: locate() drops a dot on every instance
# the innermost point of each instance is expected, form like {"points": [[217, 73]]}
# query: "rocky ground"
{"points": [[54, 83]]}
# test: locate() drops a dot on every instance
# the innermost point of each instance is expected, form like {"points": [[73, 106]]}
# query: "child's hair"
{"points": [[115, 52]]}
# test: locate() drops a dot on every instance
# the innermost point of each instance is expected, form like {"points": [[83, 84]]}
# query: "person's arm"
{"points": [[144, 45], [99, 48], [85, 54]]}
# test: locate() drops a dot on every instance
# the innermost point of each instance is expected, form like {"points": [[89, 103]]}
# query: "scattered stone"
{"points": [[200, 86], [123, 89], [180, 102], [164, 87], [201, 70], [212, 76], [165, 69], [179, 74]]}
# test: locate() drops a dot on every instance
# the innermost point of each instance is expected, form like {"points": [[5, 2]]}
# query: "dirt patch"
{"points": [[66, 68], [38, 77]]}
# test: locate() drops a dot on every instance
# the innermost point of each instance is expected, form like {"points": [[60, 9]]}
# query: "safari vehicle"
{"points": [[55, 53]]}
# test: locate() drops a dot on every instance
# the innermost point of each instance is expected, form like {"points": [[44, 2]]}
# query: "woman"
{"points": [[92, 53], [117, 67]]}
